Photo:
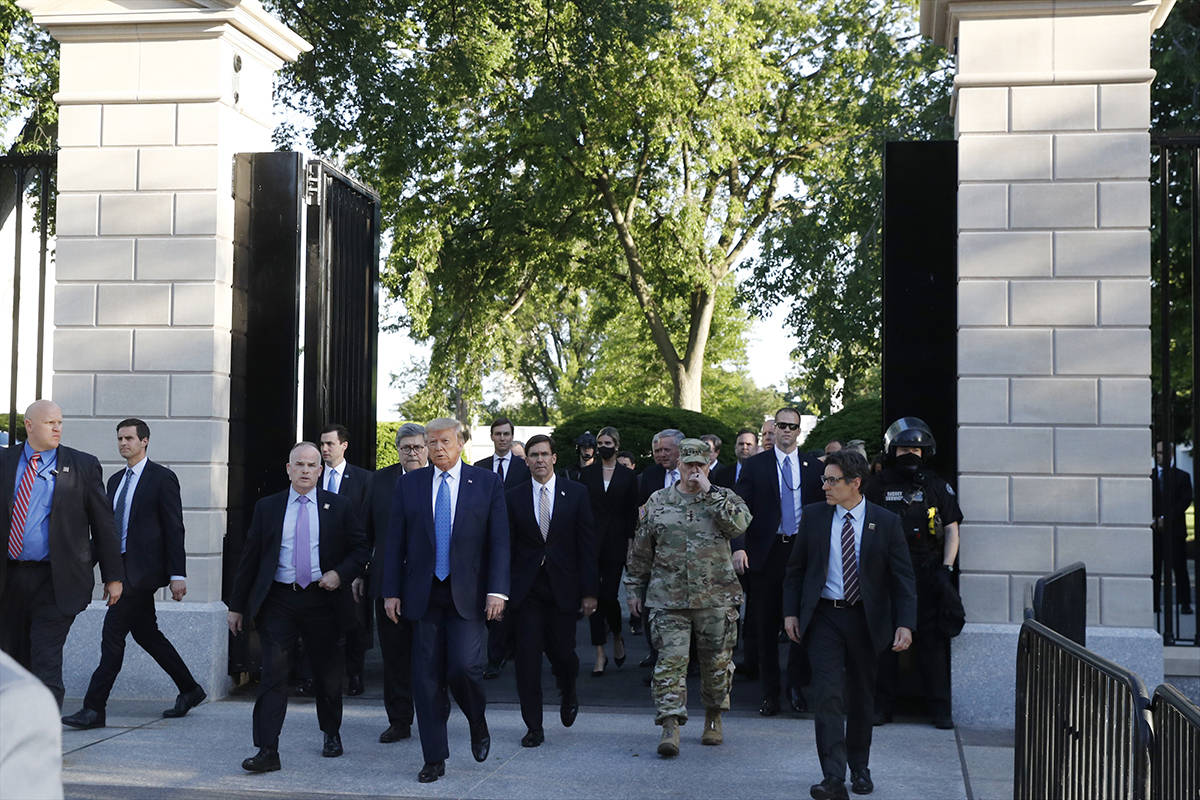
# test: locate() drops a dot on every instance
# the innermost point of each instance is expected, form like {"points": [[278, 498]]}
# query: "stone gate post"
{"points": [[1052, 103], [155, 98]]}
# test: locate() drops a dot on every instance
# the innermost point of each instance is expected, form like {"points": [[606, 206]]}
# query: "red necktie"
{"points": [[16, 532]]}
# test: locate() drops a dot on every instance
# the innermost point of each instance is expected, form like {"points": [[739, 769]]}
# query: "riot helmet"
{"points": [[909, 432]]}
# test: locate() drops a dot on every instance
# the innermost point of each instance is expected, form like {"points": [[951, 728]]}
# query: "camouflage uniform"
{"points": [[681, 558]]}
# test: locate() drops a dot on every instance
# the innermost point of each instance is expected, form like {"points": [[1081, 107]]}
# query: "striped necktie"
{"points": [[849, 562], [16, 531]]}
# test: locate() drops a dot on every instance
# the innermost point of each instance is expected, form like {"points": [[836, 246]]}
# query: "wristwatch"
{"points": [[949, 568]]}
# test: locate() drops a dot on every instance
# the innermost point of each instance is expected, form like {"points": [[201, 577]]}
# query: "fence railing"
{"points": [[1082, 723], [1059, 601], [1175, 748]]}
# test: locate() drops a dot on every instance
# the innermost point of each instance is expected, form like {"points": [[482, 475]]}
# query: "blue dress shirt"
{"points": [[35, 545]]}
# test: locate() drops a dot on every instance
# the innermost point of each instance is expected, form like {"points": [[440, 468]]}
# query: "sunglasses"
{"points": [[787, 426]]}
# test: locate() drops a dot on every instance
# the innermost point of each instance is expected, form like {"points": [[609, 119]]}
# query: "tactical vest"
{"points": [[919, 515]]}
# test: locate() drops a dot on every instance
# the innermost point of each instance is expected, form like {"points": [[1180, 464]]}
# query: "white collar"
{"points": [[857, 513], [782, 456], [311, 494], [340, 469], [454, 472], [139, 467], [550, 484]]}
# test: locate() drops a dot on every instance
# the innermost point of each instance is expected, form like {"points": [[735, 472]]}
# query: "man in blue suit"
{"points": [[447, 570]]}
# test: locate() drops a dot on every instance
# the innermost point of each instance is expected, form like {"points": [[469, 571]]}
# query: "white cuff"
{"points": [[503, 597]]}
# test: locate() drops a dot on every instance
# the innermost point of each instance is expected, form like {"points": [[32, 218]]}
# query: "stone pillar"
{"points": [[155, 98], [1052, 107]]}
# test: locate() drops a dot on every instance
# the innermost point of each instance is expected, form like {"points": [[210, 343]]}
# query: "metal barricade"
{"points": [[1082, 723], [1175, 750], [1060, 601]]}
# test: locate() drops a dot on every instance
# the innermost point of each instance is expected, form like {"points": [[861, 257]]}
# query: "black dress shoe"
{"points": [[185, 702], [1186, 609], [265, 760], [882, 718], [354, 685], [492, 670], [769, 707], [860, 781], [431, 772], [797, 701], [395, 733], [85, 719], [943, 722], [829, 789], [533, 739], [569, 710], [481, 741], [746, 673], [333, 746], [306, 688]]}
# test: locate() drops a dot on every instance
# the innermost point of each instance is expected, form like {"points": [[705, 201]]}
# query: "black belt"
{"points": [[12, 562], [295, 587], [841, 603], [785, 539]]}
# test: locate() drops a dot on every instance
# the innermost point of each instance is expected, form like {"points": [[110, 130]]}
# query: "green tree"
{"points": [[632, 146], [29, 66]]}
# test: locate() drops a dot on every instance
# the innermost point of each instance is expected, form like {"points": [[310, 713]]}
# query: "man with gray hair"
{"points": [[395, 638], [446, 586], [664, 471]]}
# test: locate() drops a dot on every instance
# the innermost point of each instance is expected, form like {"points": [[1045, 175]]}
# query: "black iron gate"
{"points": [[1176, 335], [21, 177], [303, 235]]}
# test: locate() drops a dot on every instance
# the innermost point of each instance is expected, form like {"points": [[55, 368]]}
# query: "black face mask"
{"points": [[908, 463], [606, 452]]}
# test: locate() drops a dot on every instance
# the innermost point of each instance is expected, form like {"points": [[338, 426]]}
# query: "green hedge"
{"points": [[637, 425], [385, 444], [859, 419]]}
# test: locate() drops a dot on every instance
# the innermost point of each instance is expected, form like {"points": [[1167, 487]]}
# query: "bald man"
{"points": [[56, 521]]}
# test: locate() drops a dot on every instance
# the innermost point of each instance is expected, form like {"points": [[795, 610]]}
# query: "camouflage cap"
{"points": [[694, 451]]}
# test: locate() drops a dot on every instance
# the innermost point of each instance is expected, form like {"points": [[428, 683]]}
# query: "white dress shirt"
{"points": [[537, 495], [790, 461], [505, 460], [340, 469], [452, 483], [832, 590], [132, 480], [285, 570]]}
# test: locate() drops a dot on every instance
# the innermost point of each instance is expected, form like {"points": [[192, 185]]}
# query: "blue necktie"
{"points": [[333, 482], [441, 529], [787, 499], [119, 511]]}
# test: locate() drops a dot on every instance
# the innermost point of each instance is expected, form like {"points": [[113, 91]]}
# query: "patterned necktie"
{"points": [[333, 482], [500, 469], [122, 499], [16, 531], [301, 546], [544, 513], [672, 477], [787, 499], [441, 528], [849, 562]]}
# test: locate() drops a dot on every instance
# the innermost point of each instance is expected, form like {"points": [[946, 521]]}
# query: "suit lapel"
{"points": [[143, 489], [424, 484], [560, 501], [466, 490], [325, 527], [825, 527], [8, 476], [276, 529]]}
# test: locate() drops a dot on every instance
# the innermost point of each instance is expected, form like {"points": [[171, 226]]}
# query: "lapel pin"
{"points": [[870, 526], [326, 506], [470, 481], [66, 470]]}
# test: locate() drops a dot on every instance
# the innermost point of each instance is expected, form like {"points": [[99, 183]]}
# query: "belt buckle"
{"points": [[841, 603], [787, 539], [296, 587]]}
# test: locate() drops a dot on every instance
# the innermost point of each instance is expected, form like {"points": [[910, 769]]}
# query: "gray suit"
{"points": [[30, 736]]}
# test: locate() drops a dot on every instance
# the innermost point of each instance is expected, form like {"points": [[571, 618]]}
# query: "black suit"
{"points": [[395, 638], [759, 486], [615, 511], [549, 579], [1175, 522], [516, 471], [284, 615], [153, 553], [652, 479], [501, 635], [723, 475], [844, 644], [355, 486], [40, 599]]}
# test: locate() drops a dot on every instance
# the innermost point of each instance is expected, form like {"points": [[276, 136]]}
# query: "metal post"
{"points": [[43, 225], [1166, 435], [18, 208]]}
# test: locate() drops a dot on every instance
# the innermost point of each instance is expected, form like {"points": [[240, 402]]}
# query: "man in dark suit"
{"points": [[303, 549], [776, 484], [664, 471], [719, 474], [848, 595], [513, 471], [1171, 525], [57, 523], [395, 638], [447, 570], [342, 478], [149, 517], [554, 574], [745, 446]]}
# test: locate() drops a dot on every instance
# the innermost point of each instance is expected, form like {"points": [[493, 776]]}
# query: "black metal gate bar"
{"points": [[1195, 164], [24, 168], [1165, 427]]}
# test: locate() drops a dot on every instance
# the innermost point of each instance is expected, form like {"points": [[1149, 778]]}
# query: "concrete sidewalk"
{"points": [[609, 753]]}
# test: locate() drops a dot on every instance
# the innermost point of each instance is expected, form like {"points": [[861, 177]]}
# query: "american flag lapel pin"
{"points": [[326, 507], [65, 470], [470, 481], [870, 526]]}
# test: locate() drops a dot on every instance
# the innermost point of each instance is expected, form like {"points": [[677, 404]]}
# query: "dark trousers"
{"points": [[448, 653], [358, 639], [543, 627], [32, 628], [930, 647], [764, 607], [843, 687], [500, 639], [607, 618], [1182, 593], [747, 629], [286, 618], [395, 645], [133, 614]]}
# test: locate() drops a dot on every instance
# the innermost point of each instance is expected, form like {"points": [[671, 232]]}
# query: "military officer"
{"points": [[681, 559], [929, 514]]}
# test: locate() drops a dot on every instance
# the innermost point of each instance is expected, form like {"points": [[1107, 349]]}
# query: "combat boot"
{"points": [[668, 745], [712, 727]]}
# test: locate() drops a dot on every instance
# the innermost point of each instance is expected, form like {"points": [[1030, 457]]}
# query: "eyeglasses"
{"points": [[829, 480], [787, 426], [411, 448]]}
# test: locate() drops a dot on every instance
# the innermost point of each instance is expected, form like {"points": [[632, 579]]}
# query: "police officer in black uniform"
{"points": [[585, 448], [929, 512]]}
